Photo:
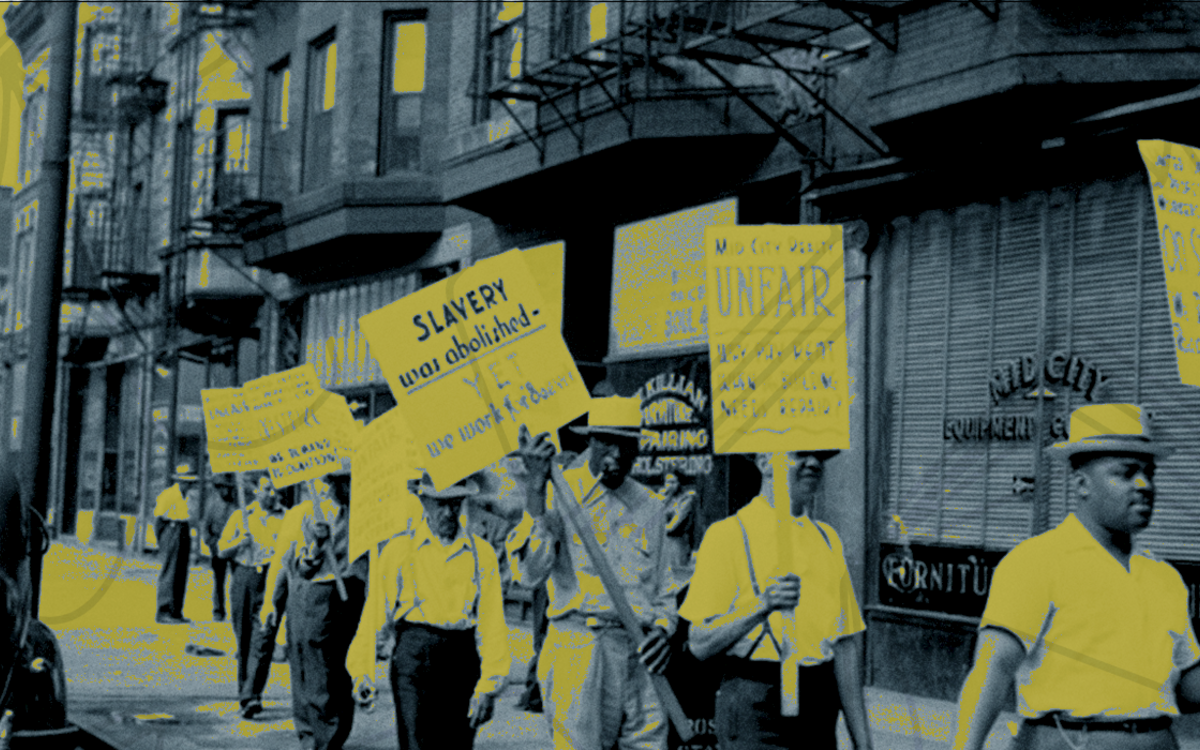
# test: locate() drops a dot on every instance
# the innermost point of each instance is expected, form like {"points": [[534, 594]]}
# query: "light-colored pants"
{"points": [[595, 691]]}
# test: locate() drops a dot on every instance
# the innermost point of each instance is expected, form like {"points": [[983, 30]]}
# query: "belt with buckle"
{"points": [[592, 621], [1130, 726]]}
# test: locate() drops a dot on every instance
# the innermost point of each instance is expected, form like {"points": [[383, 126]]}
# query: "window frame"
{"points": [[492, 30], [387, 96], [318, 50]]}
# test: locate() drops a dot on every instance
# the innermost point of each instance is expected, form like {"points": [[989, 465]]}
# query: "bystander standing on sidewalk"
{"points": [[172, 529], [220, 506]]}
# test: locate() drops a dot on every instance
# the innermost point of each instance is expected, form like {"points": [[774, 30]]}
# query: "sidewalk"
{"points": [[131, 683]]}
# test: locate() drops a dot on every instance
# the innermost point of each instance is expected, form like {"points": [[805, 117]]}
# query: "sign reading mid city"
{"points": [[283, 422], [1175, 186], [469, 360], [777, 338]]}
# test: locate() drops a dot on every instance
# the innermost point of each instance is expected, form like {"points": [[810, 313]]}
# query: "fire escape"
{"points": [[651, 37]]}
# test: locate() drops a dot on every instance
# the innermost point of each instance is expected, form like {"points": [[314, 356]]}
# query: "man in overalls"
{"points": [[435, 593], [325, 596]]}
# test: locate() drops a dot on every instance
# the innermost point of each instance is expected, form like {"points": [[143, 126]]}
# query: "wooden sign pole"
{"points": [[612, 585], [789, 663]]}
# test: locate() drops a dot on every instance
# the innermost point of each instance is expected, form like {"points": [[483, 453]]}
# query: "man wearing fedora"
{"points": [[435, 594], [311, 563], [735, 605], [1095, 630], [172, 529], [593, 674]]}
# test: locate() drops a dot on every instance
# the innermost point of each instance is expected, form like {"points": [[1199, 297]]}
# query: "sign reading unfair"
{"points": [[1175, 186], [469, 360], [777, 338], [381, 506], [283, 422]]}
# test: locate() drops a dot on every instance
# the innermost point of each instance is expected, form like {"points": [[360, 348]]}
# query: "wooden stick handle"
{"points": [[789, 664]]}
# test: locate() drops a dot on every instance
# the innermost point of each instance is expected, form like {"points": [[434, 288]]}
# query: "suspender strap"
{"points": [[478, 585], [754, 586]]}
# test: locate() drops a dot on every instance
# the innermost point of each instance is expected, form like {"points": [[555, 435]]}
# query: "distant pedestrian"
{"points": [[434, 595], [252, 555], [220, 506], [172, 528], [310, 560], [1095, 629]]}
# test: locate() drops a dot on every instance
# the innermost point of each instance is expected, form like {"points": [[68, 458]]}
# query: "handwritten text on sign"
{"points": [[1175, 185], [380, 504], [777, 338], [469, 360]]}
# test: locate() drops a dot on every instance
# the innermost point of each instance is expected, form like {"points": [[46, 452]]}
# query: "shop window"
{"points": [[322, 96], [404, 83], [504, 49]]}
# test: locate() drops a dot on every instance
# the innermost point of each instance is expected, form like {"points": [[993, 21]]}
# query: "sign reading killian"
{"points": [[676, 427], [1175, 184], [469, 360], [777, 338]]}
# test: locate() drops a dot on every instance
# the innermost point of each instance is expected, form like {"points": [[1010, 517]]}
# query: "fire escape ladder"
{"points": [[879, 21]]}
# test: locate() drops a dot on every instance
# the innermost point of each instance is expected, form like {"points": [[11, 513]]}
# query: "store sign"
{"points": [[955, 580], [1023, 375], [676, 425], [1173, 170]]}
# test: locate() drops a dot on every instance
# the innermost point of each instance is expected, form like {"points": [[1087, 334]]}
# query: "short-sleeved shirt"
{"points": [[828, 609], [171, 505], [1100, 640]]}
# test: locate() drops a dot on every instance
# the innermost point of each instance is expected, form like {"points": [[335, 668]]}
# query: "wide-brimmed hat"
{"points": [[1110, 428], [615, 416], [184, 473], [423, 487]]}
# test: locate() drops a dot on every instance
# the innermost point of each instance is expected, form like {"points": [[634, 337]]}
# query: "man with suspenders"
{"points": [[735, 606], [432, 592]]}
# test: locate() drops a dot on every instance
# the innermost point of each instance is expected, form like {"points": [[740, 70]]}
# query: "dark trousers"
{"points": [[219, 568], [320, 628], [434, 673], [254, 646], [175, 547], [747, 709], [531, 698]]}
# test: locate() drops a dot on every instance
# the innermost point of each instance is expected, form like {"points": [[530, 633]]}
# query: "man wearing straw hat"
{"points": [[172, 529], [736, 602], [1095, 630], [595, 691], [325, 593], [435, 594]]}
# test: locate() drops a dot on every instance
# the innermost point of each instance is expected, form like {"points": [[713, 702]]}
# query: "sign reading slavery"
{"points": [[777, 338], [283, 422], [676, 424], [469, 360], [381, 506], [1175, 186]]}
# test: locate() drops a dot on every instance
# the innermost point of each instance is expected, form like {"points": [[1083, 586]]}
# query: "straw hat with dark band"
{"points": [[1110, 428]]}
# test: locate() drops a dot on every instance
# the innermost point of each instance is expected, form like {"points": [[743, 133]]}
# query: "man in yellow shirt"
{"points": [[251, 553], [595, 691], [173, 531], [310, 558], [435, 594], [735, 605], [1095, 630]]}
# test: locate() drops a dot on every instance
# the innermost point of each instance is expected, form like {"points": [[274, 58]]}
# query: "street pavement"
{"points": [[133, 684]]}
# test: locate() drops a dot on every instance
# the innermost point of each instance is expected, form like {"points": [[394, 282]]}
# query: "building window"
{"points": [[278, 91], [404, 81], [233, 157], [33, 125], [504, 49], [322, 96], [277, 163], [575, 25]]}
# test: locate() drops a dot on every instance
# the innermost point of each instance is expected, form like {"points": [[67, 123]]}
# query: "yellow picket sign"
{"points": [[381, 506], [470, 359], [777, 338], [1175, 187]]}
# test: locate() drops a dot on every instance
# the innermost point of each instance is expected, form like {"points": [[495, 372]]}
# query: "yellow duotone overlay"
{"points": [[777, 338], [381, 506], [472, 358], [408, 71], [284, 423], [1175, 187]]}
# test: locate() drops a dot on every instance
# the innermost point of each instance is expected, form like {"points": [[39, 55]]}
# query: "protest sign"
{"points": [[381, 506], [777, 338], [283, 422], [469, 360], [1175, 187], [546, 263]]}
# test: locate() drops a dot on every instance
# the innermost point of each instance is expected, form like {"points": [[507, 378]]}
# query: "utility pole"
{"points": [[46, 298]]}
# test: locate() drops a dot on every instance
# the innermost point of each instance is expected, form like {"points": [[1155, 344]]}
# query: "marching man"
{"points": [[592, 673], [434, 594]]}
